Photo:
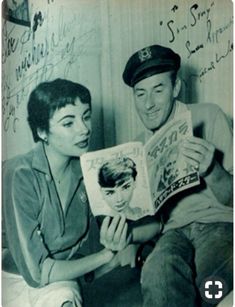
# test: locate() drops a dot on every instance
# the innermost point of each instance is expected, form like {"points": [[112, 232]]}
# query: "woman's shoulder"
{"points": [[22, 162]]}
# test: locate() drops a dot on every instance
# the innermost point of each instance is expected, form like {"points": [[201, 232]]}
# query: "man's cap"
{"points": [[148, 61]]}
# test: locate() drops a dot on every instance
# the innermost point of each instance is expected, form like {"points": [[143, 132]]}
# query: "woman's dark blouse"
{"points": [[35, 227]]}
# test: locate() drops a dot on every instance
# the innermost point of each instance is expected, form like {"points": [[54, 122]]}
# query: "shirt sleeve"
{"points": [[21, 208], [222, 138]]}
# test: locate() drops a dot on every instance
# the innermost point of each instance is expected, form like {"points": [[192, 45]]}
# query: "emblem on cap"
{"points": [[145, 54]]}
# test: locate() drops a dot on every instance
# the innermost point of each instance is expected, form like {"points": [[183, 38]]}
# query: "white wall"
{"points": [[89, 41], [182, 25]]}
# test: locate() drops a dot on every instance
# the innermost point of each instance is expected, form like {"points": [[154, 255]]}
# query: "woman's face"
{"points": [[70, 130], [119, 197]]}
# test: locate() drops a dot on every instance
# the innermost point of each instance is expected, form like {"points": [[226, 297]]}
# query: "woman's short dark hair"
{"points": [[50, 96], [116, 171]]}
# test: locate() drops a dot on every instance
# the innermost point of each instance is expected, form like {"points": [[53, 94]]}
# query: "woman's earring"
{"points": [[45, 140]]}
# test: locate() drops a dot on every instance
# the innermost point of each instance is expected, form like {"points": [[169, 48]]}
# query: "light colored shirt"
{"points": [[199, 204], [35, 227]]}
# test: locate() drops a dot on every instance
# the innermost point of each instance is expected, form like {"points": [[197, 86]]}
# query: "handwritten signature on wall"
{"points": [[37, 60], [214, 34]]}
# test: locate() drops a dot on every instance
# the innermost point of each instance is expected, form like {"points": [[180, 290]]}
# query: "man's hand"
{"points": [[199, 153], [113, 233]]}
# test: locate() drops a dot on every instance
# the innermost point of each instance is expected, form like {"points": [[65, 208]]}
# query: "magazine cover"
{"points": [[168, 171], [135, 179], [116, 181], [84, 76]]}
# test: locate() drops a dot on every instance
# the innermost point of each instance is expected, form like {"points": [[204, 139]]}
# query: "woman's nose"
{"points": [[81, 127], [119, 196]]}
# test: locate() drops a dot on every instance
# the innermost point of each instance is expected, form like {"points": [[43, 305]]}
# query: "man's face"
{"points": [[119, 197], [154, 99]]}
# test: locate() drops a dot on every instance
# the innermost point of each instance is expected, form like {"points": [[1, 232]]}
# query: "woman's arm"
{"points": [[138, 231], [113, 235], [145, 229], [73, 269]]}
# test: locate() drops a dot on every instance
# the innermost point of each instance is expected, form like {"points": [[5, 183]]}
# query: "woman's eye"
{"points": [[109, 193], [126, 186], [68, 124], [87, 117]]}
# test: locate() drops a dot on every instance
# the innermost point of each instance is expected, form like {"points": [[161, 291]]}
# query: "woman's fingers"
{"points": [[119, 230], [104, 226], [113, 232]]}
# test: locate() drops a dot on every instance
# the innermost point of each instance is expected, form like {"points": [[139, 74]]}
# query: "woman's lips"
{"points": [[82, 144], [120, 207]]}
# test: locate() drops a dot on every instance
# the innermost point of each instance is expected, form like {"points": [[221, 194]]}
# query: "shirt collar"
{"points": [[41, 163]]}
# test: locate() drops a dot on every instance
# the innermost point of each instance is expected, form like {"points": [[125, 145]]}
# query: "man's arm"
{"points": [[221, 183], [145, 229]]}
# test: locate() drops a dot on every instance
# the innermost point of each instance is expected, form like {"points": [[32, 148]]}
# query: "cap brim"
{"points": [[155, 66]]}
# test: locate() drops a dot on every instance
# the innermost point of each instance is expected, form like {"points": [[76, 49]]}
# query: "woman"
{"points": [[117, 180], [45, 208]]}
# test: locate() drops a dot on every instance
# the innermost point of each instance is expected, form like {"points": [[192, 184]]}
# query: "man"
{"points": [[196, 241]]}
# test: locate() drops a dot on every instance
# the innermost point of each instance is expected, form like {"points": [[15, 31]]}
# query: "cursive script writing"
{"points": [[192, 51], [196, 15]]}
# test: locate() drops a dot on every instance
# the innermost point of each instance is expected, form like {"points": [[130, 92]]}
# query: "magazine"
{"points": [[136, 179]]}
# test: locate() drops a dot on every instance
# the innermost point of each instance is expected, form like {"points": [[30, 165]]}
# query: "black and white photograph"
{"points": [[16, 11], [83, 79]]}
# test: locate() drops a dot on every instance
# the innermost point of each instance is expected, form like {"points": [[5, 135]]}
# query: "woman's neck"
{"points": [[59, 164]]}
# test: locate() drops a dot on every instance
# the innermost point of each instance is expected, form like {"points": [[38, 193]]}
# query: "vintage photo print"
{"points": [[149, 222]]}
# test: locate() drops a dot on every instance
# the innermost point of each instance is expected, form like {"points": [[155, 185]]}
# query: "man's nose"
{"points": [[150, 101]]}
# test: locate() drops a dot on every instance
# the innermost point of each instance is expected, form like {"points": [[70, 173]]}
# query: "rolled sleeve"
{"points": [[222, 138], [46, 271]]}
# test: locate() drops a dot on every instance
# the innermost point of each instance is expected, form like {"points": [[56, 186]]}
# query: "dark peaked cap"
{"points": [[149, 61]]}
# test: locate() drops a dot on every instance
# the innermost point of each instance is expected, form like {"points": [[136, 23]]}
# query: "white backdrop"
{"points": [[89, 41]]}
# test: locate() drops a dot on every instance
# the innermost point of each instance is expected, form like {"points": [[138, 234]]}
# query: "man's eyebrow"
{"points": [[158, 85], [142, 89]]}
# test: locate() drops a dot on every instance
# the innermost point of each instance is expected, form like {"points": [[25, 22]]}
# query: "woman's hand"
{"points": [[199, 153], [113, 233]]}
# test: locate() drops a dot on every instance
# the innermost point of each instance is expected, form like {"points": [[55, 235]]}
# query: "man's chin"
{"points": [[153, 127]]}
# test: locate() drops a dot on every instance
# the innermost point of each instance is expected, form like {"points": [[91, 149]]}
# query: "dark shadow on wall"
{"points": [[189, 79]]}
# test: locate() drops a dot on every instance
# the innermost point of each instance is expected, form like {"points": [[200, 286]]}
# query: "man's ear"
{"points": [[177, 87], [42, 135]]}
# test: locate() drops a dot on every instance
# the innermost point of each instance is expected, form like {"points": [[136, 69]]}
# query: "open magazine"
{"points": [[136, 179]]}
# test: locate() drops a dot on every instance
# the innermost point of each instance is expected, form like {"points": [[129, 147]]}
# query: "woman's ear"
{"points": [[177, 87], [42, 135]]}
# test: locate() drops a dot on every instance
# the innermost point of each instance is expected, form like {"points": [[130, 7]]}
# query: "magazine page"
{"points": [[168, 171], [116, 181]]}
